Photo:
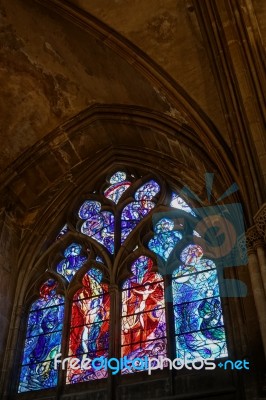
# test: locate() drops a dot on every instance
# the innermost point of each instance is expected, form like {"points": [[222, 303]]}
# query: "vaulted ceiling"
{"points": [[59, 58], [51, 68]]}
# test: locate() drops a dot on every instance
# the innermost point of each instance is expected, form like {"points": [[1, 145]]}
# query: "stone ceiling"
{"points": [[52, 69]]}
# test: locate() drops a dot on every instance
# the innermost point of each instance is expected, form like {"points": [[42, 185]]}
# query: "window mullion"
{"points": [[114, 338], [64, 347], [170, 327]]}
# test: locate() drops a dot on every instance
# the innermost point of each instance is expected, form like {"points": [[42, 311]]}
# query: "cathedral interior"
{"points": [[133, 199]]}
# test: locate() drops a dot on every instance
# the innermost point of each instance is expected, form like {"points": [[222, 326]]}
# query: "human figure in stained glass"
{"points": [[210, 312]]}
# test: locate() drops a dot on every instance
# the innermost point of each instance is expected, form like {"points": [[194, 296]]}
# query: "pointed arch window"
{"points": [[126, 244], [43, 340], [199, 326], [143, 322], [89, 329]]}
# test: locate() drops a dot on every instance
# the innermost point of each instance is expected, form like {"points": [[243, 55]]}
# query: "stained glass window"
{"points": [[199, 326], [179, 203], [62, 232], [99, 259], [98, 224], [136, 210], [165, 238], [147, 191], [72, 262], [118, 186], [198, 321], [89, 331], [143, 313], [43, 340]]}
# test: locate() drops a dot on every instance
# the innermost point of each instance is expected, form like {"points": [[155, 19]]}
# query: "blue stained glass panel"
{"points": [[199, 316], [199, 325], [137, 210], [41, 348], [72, 262], [188, 269], [89, 208], [106, 237], [164, 225], [73, 250], [38, 376], [47, 302], [99, 259], [100, 227], [45, 320], [93, 225], [45, 323], [95, 274], [165, 239], [119, 176], [147, 191], [195, 344], [126, 228], [195, 287]]}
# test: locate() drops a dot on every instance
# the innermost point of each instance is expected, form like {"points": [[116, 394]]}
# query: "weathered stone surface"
{"points": [[168, 32], [49, 77]]}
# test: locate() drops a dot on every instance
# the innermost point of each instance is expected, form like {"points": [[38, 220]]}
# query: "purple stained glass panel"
{"points": [[126, 228], [137, 210], [89, 208], [115, 191], [147, 191]]}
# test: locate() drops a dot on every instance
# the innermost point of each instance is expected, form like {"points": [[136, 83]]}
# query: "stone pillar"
{"points": [[256, 265], [259, 295], [260, 222], [262, 263]]}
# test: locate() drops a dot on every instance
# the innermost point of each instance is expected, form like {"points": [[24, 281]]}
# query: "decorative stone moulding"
{"points": [[260, 221]]}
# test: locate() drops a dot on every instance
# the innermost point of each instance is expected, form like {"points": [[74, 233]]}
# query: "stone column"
{"points": [[262, 263], [253, 238], [260, 221]]}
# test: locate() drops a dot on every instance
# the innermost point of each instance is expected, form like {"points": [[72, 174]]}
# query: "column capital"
{"points": [[113, 288], [253, 239], [260, 221]]}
